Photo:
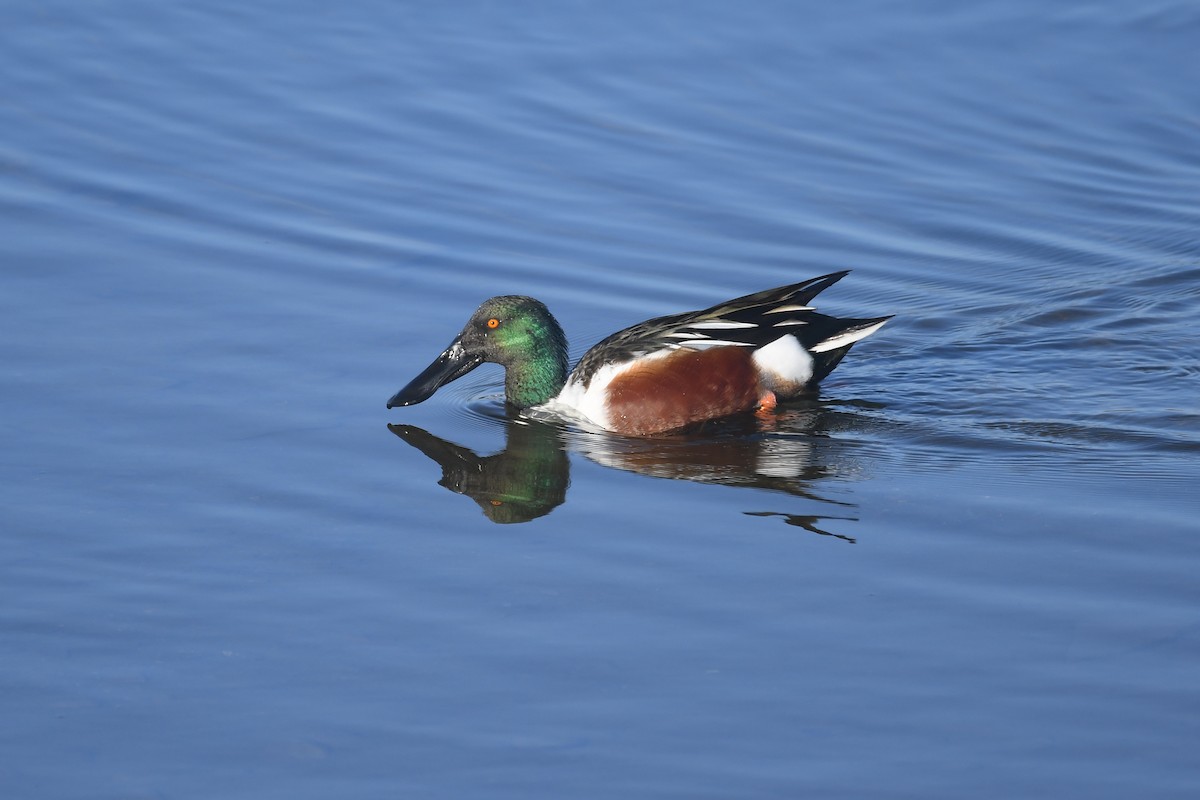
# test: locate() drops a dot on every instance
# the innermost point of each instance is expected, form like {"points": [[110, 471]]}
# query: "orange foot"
{"points": [[766, 404]]}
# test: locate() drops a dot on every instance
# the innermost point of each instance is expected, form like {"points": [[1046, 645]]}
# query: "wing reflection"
{"points": [[791, 452]]}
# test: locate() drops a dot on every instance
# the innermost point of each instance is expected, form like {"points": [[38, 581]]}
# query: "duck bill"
{"points": [[450, 365]]}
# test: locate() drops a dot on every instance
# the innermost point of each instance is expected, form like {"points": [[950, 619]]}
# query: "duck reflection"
{"points": [[789, 451], [525, 480]]}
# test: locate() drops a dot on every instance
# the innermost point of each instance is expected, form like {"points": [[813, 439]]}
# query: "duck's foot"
{"points": [[766, 404]]}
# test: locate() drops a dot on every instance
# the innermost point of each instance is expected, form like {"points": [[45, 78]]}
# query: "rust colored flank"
{"points": [[663, 394]]}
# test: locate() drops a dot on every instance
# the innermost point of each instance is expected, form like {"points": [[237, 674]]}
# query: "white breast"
{"points": [[590, 403]]}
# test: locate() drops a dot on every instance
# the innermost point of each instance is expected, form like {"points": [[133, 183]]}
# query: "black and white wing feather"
{"points": [[752, 321]]}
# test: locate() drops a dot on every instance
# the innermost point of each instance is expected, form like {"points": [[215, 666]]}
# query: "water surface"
{"points": [[968, 568]]}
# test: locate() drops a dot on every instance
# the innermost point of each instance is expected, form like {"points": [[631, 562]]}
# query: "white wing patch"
{"points": [[702, 341], [719, 325], [845, 338], [704, 344]]}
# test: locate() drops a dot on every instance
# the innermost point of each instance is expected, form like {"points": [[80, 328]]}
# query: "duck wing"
{"points": [[751, 321]]}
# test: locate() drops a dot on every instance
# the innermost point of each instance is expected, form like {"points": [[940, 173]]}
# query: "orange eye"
{"points": [[493, 323]]}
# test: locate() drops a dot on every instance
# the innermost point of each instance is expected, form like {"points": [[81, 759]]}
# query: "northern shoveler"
{"points": [[662, 374]]}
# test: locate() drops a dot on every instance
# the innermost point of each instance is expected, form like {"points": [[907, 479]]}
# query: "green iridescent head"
{"points": [[520, 334]]}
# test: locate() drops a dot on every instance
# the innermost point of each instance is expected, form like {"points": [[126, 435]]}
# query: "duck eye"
{"points": [[493, 323]]}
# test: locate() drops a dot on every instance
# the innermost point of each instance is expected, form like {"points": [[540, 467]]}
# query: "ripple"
{"points": [[488, 407]]}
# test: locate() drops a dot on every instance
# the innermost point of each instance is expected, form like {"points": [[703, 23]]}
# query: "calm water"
{"points": [[231, 232]]}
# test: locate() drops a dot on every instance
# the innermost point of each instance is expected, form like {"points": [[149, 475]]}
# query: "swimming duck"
{"points": [[660, 375]]}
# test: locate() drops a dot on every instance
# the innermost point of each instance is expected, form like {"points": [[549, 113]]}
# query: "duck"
{"points": [[660, 376]]}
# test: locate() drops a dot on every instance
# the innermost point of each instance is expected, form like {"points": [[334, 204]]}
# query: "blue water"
{"points": [[231, 232]]}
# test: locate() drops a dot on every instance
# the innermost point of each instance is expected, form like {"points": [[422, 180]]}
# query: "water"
{"points": [[231, 233]]}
